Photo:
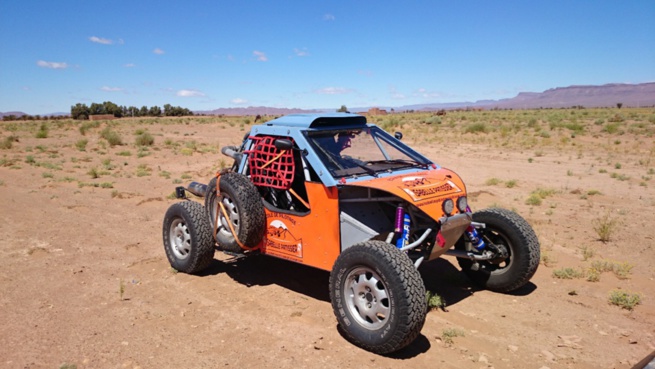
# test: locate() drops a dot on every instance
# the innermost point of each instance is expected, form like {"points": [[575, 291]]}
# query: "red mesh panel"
{"points": [[269, 166]]}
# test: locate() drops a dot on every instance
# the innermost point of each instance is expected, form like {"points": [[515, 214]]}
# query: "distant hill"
{"points": [[630, 95], [639, 95], [15, 113]]}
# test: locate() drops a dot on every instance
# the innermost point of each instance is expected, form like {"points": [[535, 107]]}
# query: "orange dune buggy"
{"points": [[333, 192]]}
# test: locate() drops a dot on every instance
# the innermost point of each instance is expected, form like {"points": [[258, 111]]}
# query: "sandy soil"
{"points": [[84, 279]]}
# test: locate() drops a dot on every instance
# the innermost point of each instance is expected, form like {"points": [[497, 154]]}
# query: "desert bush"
{"points": [[534, 200], [86, 126], [568, 273], [611, 128], [537, 196], [145, 139], [8, 142], [390, 124], [478, 127], [448, 334], [587, 253], [112, 137], [81, 144], [43, 131], [624, 299], [605, 226], [143, 170], [434, 300], [93, 173], [492, 181], [616, 118]]}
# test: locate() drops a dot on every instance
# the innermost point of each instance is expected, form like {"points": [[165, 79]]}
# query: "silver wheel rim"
{"points": [[366, 298], [180, 239], [233, 216]]}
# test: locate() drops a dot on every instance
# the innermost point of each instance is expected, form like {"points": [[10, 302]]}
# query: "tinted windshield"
{"points": [[366, 151]]}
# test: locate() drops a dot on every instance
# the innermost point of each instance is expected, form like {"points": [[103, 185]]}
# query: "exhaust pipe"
{"points": [[197, 189], [232, 152]]}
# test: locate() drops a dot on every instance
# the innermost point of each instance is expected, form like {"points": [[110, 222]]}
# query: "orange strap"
{"points": [[299, 198], [290, 189], [274, 159], [227, 218]]}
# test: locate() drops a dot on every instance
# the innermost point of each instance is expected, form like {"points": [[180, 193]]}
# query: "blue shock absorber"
{"points": [[475, 238], [404, 236]]}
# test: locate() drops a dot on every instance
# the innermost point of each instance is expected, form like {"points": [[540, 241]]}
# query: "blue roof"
{"points": [[318, 120]]}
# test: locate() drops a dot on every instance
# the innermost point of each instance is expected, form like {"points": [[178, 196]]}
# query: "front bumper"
{"points": [[451, 230]]}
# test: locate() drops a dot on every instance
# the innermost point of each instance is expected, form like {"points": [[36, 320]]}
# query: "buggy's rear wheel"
{"points": [[378, 297]]}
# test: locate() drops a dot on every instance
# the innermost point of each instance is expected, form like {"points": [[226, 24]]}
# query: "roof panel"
{"points": [[318, 120]]}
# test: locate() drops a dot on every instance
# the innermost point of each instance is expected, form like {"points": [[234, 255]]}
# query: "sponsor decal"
{"points": [[279, 240], [421, 188]]}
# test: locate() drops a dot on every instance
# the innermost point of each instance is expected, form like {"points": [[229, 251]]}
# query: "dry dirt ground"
{"points": [[85, 282]]}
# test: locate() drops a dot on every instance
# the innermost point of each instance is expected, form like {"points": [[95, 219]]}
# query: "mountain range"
{"points": [[589, 96]]}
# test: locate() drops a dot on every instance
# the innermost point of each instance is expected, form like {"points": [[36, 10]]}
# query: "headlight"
{"points": [[462, 204], [448, 206]]}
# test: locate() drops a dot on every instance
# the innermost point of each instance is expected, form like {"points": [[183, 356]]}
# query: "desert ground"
{"points": [[85, 283]]}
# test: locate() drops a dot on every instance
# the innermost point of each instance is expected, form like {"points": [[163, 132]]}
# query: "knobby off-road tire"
{"points": [[187, 237], [504, 227], [245, 210], [378, 297]]}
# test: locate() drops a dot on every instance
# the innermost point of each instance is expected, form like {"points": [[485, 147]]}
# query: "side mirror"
{"points": [[398, 136], [283, 144]]}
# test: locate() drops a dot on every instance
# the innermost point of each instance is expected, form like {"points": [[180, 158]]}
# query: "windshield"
{"points": [[366, 151]]}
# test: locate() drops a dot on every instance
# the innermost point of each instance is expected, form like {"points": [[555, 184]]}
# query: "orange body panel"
{"points": [[425, 190], [312, 239]]}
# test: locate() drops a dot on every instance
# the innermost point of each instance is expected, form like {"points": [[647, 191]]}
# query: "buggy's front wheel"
{"points": [[378, 297], [509, 231]]}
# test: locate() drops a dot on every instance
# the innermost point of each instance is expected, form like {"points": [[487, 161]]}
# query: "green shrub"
{"points": [[43, 131], [145, 139], [143, 170], [605, 227], [476, 128], [112, 137], [568, 273], [93, 172], [624, 299], [88, 125], [534, 200], [434, 300], [8, 142], [448, 334], [81, 144], [492, 181], [611, 128]]}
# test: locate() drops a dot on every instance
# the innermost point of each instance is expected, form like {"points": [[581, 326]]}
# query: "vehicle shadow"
{"points": [[259, 270], [440, 276]]}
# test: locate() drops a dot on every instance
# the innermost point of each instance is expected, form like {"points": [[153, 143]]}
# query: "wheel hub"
{"points": [[366, 298], [180, 239]]}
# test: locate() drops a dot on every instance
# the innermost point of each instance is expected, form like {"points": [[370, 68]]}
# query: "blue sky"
{"points": [[313, 54]]}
